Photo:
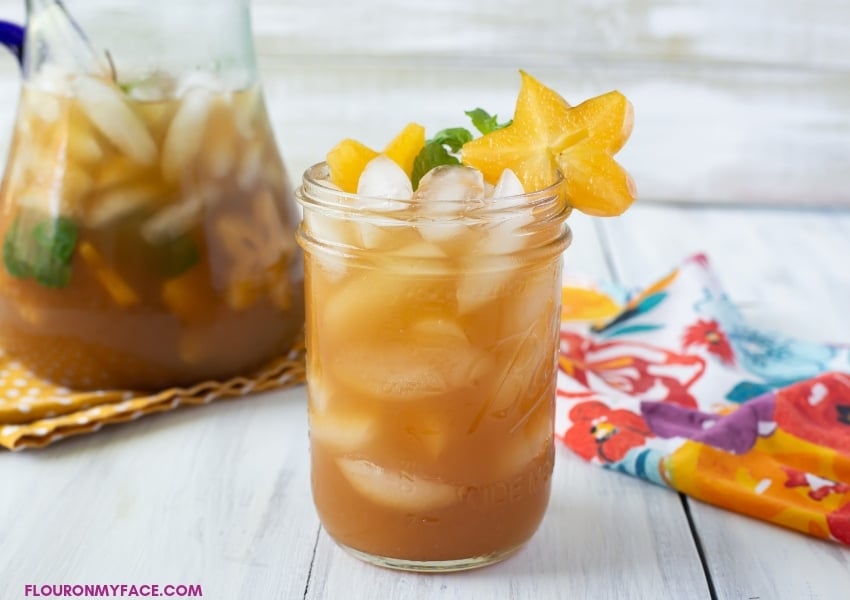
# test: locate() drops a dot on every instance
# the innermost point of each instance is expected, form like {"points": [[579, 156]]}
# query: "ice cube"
{"points": [[200, 80], [476, 289], [331, 229], [220, 147], [529, 443], [173, 220], [44, 107], [434, 331], [383, 178], [413, 258], [247, 107], [524, 360], [452, 184], [341, 432], [397, 489], [76, 184], [444, 194], [428, 432], [442, 231], [152, 87], [506, 236], [53, 79], [251, 166], [533, 300], [360, 304], [508, 185], [186, 133], [115, 203], [103, 104], [423, 362], [83, 148]]}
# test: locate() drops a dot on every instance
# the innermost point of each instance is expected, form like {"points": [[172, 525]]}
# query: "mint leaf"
{"points": [[44, 252], [15, 265], [433, 154], [51, 272], [438, 151], [484, 121], [175, 257], [58, 237], [454, 138]]}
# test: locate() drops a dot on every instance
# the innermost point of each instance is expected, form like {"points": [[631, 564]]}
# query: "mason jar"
{"points": [[432, 336]]}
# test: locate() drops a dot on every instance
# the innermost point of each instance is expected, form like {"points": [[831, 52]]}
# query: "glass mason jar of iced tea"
{"points": [[146, 218], [432, 342]]}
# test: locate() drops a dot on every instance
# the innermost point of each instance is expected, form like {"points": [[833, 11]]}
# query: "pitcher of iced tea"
{"points": [[146, 219]]}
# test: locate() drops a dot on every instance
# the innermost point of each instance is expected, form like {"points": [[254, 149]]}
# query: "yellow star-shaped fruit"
{"points": [[549, 138]]}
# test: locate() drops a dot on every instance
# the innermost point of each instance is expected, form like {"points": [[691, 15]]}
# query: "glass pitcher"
{"points": [[146, 219]]}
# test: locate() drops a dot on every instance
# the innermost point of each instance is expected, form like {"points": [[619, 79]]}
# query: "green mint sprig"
{"points": [[44, 253], [485, 122], [442, 149]]}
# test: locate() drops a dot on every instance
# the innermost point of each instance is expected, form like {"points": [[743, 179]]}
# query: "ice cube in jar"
{"points": [[436, 357]]}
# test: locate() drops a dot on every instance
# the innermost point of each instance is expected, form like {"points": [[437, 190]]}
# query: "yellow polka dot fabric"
{"points": [[35, 413]]}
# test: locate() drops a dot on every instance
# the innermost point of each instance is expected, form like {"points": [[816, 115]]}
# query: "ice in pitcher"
{"points": [[147, 233]]}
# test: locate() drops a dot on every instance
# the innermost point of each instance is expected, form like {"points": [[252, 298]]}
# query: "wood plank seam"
{"points": [[309, 578]]}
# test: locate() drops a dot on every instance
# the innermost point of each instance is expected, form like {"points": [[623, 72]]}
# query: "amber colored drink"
{"points": [[146, 242], [431, 374]]}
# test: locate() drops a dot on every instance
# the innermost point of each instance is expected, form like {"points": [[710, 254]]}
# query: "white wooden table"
{"points": [[220, 495]]}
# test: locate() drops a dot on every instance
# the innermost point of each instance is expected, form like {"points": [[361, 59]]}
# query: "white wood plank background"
{"points": [[735, 101]]}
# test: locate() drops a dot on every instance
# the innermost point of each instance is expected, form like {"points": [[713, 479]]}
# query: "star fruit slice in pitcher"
{"points": [[549, 137]]}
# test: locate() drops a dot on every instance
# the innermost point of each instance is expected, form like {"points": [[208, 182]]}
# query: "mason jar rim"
{"points": [[314, 191]]}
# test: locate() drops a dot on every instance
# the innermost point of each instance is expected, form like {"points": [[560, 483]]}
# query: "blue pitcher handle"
{"points": [[12, 36]]}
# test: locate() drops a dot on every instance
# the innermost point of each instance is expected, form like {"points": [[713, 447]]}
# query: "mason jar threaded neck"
{"points": [[526, 227]]}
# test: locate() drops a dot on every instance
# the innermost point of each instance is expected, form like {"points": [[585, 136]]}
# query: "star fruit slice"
{"points": [[548, 138], [347, 159]]}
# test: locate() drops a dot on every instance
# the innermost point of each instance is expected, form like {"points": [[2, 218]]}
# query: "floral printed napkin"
{"points": [[677, 389]]}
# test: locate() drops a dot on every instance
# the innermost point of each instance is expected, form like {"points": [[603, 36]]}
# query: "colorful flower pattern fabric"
{"points": [[679, 390]]}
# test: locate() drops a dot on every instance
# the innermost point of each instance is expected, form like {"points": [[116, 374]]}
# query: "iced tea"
{"points": [[431, 334], [147, 233]]}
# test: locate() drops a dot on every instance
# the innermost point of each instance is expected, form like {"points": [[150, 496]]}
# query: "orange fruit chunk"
{"points": [[346, 162], [548, 138], [347, 159], [188, 296], [120, 291], [405, 146]]}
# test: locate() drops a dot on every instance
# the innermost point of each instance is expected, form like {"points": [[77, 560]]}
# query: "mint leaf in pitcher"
{"points": [[175, 257], [15, 265], [43, 253], [51, 272], [58, 237]]}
